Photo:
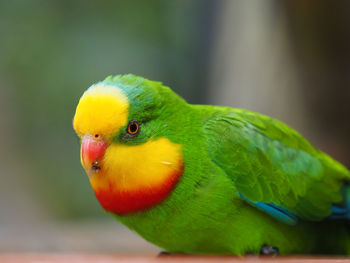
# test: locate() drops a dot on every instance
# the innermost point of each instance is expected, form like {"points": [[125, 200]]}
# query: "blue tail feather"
{"points": [[342, 211], [275, 211]]}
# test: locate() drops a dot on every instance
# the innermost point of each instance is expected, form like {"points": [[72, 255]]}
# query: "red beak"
{"points": [[92, 151]]}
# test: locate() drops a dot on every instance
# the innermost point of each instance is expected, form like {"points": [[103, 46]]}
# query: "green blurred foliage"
{"points": [[51, 51]]}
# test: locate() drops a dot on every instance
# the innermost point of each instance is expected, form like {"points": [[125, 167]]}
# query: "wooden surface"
{"points": [[110, 258]]}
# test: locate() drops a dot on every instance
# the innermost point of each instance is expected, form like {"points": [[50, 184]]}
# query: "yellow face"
{"points": [[125, 178]]}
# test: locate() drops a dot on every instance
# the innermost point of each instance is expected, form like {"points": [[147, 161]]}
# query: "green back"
{"points": [[270, 162]]}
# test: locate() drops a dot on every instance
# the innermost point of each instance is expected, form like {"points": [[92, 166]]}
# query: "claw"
{"points": [[269, 251]]}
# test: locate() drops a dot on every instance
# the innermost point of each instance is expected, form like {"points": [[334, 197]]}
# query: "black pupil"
{"points": [[133, 127]]}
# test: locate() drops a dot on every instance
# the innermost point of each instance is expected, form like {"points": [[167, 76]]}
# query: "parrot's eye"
{"points": [[133, 127]]}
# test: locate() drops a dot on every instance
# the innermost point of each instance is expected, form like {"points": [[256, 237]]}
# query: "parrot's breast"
{"points": [[137, 177]]}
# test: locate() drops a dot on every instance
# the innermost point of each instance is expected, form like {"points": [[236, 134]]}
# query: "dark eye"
{"points": [[133, 128]]}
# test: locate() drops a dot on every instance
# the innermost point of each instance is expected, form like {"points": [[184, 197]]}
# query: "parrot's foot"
{"points": [[164, 254], [269, 251]]}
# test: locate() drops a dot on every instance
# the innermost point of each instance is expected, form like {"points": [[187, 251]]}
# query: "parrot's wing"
{"points": [[273, 167]]}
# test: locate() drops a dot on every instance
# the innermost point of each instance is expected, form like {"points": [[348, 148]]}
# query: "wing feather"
{"points": [[271, 163]]}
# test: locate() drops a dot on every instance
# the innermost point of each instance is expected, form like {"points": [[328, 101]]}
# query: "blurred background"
{"points": [[287, 59]]}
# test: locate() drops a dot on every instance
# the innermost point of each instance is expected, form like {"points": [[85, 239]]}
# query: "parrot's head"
{"points": [[127, 136]]}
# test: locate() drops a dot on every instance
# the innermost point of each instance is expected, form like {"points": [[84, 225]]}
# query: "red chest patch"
{"points": [[123, 202]]}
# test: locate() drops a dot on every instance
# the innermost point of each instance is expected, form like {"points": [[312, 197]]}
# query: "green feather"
{"points": [[259, 154], [228, 152]]}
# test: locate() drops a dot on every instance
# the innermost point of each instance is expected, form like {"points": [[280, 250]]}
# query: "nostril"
{"points": [[95, 166]]}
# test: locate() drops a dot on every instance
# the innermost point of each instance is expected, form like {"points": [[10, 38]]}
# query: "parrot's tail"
{"points": [[341, 211]]}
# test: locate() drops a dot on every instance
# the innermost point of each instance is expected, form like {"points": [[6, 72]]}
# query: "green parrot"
{"points": [[208, 179]]}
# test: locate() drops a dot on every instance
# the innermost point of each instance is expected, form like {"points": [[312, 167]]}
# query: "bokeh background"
{"points": [[287, 59]]}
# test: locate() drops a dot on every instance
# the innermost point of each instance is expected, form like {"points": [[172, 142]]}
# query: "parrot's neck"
{"points": [[123, 187]]}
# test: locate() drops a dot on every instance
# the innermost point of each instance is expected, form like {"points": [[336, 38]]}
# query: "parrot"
{"points": [[204, 179]]}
